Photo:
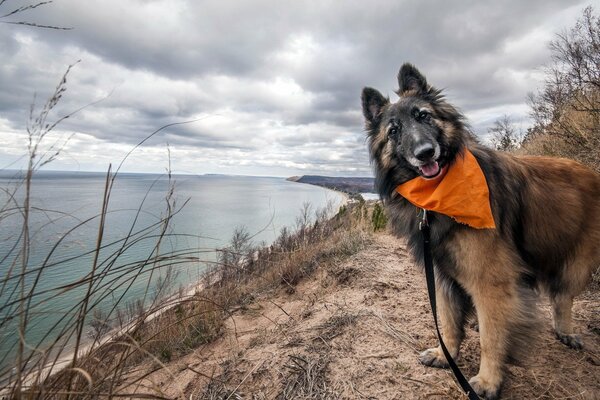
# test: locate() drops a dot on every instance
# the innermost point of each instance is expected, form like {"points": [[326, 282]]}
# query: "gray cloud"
{"points": [[277, 84]]}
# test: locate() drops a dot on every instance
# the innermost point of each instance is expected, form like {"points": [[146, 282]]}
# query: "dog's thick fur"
{"points": [[547, 236]]}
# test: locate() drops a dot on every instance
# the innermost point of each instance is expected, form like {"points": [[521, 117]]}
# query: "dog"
{"points": [[546, 237]]}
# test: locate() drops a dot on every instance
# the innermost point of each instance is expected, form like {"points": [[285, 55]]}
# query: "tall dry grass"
{"points": [[58, 363]]}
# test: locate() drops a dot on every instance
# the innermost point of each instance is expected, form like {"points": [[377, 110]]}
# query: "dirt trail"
{"points": [[354, 331]]}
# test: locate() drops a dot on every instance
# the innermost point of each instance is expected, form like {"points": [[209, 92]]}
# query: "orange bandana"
{"points": [[461, 193]]}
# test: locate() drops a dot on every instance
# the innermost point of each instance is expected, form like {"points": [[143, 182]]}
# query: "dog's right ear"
{"points": [[373, 103], [410, 79]]}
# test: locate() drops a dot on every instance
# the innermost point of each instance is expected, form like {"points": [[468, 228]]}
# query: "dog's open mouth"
{"points": [[430, 170]]}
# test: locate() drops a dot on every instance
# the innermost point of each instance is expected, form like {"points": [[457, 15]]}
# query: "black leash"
{"points": [[429, 276]]}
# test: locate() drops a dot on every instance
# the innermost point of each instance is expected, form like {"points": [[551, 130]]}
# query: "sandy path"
{"points": [[354, 330]]}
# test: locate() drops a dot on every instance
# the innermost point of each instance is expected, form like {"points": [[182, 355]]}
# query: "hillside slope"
{"points": [[354, 331]]}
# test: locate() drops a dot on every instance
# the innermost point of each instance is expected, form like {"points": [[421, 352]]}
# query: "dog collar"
{"points": [[460, 192]]}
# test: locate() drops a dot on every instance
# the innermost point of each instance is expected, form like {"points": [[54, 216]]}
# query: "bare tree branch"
{"points": [[28, 7]]}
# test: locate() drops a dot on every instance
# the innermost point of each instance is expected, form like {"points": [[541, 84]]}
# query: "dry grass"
{"points": [[306, 380], [585, 149], [67, 362], [335, 325]]}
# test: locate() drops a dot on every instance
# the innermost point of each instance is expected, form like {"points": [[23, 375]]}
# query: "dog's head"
{"points": [[420, 134]]}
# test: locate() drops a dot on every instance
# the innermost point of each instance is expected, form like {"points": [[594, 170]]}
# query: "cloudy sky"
{"points": [[274, 85]]}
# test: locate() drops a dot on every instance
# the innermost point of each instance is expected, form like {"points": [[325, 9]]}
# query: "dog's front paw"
{"points": [[571, 340], [484, 388], [433, 357]]}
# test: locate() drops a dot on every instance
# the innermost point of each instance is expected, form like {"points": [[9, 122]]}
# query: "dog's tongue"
{"points": [[430, 169]]}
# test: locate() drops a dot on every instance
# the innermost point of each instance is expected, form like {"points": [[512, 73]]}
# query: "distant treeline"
{"points": [[342, 184]]}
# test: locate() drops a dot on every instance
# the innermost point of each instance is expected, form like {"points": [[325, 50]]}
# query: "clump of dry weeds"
{"points": [[306, 380]]}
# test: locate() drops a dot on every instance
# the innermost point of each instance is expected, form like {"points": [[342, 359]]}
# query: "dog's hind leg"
{"points": [[571, 281], [453, 306], [561, 307]]}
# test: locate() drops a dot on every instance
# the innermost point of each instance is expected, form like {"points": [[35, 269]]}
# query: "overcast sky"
{"points": [[276, 84]]}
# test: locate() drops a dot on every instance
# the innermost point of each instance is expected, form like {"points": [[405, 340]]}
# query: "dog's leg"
{"points": [[494, 308], [568, 284], [452, 309], [561, 307]]}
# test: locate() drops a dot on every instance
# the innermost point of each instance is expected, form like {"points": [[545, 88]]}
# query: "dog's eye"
{"points": [[423, 116], [394, 129]]}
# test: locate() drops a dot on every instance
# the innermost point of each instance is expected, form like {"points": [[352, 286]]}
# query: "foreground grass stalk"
{"points": [[24, 262], [84, 307]]}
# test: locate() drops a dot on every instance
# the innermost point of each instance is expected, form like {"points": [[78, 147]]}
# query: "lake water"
{"points": [[64, 228]]}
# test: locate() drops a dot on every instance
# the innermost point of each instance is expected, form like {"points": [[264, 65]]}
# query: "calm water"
{"points": [[64, 227]]}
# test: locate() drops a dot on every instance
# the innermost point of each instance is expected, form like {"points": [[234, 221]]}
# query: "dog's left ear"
{"points": [[410, 79], [373, 103]]}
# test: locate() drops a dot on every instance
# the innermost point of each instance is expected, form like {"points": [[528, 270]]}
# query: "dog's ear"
{"points": [[410, 79], [373, 103]]}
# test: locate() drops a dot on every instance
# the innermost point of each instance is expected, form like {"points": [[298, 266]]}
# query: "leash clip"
{"points": [[423, 223]]}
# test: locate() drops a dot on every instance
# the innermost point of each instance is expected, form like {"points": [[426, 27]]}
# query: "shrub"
{"points": [[378, 218]]}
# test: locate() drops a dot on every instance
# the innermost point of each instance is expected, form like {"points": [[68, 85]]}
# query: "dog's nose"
{"points": [[424, 152]]}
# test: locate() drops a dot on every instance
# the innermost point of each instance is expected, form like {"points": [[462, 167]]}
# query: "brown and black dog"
{"points": [[547, 236]]}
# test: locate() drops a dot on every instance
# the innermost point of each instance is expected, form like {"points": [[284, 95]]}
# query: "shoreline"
{"points": [[346, 195], [54, 367], [350, 186]]}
